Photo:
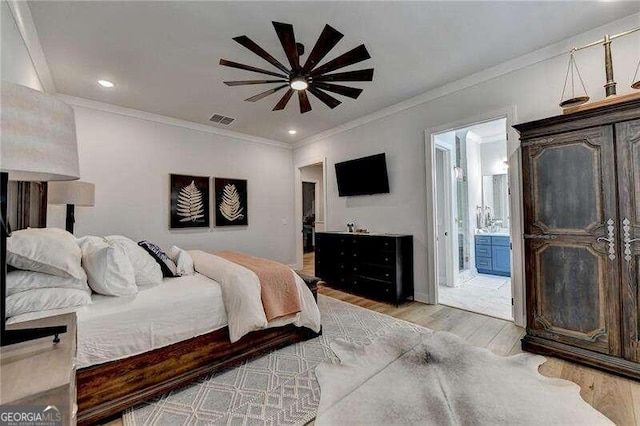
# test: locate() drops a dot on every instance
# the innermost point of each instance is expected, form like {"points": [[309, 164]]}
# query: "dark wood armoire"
{"points": [[581, 186]]}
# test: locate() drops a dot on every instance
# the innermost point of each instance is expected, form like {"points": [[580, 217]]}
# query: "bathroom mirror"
{"points": [[495, 201]]}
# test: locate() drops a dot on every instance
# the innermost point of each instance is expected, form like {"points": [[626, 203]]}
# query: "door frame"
{"points": [[450, 243], [516, 224], [298, 203]]}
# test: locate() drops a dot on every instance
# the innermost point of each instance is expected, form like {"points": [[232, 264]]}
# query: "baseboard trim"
{"points": [[421, 297]]}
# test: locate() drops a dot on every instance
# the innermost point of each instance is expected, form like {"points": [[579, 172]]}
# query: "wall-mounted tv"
{"points": [[363, 176]]}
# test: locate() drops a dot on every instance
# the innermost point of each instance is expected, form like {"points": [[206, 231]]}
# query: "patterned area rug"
{"points": [[279, 388]]}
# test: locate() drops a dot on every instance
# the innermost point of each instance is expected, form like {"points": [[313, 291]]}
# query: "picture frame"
{"points": [[189, 201], [231, 207]]}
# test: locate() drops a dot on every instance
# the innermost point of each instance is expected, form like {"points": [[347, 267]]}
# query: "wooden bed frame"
{"points": [[107, 389]]}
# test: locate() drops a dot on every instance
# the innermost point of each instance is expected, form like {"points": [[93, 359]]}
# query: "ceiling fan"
{"points": [[308, 77]]}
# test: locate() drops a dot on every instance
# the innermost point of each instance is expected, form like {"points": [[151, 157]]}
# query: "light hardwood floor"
{"points": [[615, 397]]}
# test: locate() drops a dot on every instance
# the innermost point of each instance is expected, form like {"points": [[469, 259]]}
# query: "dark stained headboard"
{"points": [[27, 205]]}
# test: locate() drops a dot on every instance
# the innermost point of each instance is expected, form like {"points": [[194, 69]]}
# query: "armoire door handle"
{"points": [[626, 227], [611, 239]]}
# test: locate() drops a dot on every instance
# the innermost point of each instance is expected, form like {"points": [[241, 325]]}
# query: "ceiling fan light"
{"points": [[299, 83]]}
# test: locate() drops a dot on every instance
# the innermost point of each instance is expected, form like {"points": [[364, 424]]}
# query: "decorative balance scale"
{"points": [[575, 98]]}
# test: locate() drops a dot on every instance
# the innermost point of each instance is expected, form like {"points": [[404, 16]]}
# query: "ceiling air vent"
{"points": [[221, 119]]}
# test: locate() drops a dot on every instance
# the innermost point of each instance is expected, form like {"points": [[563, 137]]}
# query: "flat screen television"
{"points": [[363, 176]]}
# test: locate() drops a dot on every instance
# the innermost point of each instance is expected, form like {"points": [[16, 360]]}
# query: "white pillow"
{"points": [[43, 299], [108, 267], [18, 281], [147, 270], [48, 250], [183, 260]]}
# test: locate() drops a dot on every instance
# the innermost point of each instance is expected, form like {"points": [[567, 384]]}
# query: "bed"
{"points": [[134, 348]]}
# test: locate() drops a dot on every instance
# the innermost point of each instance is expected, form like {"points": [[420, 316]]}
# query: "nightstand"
{"points": [[40, 372]]}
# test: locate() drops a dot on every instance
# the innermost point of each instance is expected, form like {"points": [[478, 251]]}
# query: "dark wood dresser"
{"points": [[581, 185], [379, 266]]}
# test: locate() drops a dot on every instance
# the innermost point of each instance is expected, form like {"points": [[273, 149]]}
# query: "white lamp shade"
{"points": [[74, 192], [38, 139]]}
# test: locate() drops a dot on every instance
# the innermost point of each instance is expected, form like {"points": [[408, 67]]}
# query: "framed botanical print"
{"points": [[189, 201], [231, 202]]}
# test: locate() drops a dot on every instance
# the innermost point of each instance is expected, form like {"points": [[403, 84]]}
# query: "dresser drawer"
{"points": [[373, 288], [483, 250], [483, 263], [379, 258], [378, 272], [376, 244], [483, 240]]}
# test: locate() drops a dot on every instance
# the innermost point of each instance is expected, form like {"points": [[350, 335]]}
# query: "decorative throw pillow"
{"points": [[48, 250], [44, 299], [183, 260], [169, 268], [147, 270], [109, 270], [18, 281]]}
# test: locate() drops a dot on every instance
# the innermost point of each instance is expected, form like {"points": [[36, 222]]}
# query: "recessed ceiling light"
{"points": [[293, 132], [105, 83]]}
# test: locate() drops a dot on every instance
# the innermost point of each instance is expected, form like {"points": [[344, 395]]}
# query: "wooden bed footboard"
{"points": [[107, 389]]}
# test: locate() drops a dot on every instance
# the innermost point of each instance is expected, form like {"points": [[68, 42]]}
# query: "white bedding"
{"points": [[241, 293], [118, 327], [113, 328]]}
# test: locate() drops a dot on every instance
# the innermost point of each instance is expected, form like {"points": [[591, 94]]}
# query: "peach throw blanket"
{"points": [[278, 286]]}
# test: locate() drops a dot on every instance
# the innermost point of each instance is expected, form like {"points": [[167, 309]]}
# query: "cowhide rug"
{"points": [[437, 378]]}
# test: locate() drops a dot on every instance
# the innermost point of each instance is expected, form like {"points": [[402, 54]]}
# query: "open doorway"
{"points": [[472, 218], [312, 213]]}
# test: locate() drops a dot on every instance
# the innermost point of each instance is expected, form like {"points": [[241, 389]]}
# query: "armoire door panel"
{"points": [[567, 176], [571, 293], [577, 166], [628, 150], [571, 232]]}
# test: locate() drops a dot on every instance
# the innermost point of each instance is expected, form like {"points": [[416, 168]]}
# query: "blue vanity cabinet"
{"points": [[493, 255]]}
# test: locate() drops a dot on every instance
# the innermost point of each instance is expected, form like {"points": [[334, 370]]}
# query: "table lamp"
{"points": [[72, 193], [37, 143]]}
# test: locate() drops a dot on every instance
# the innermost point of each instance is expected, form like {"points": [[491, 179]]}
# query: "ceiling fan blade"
{"points": [[265, 93], [305, 105], [327, 41], [353, 56], [325, 98], [252, 46], [247, 82], [351, 92], [232, 64], [284, 100], [359, 75], [288, 41]]}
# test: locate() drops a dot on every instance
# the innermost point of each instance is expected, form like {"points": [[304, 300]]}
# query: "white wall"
{"points": [[494, 154], [534, 91], [16, 65], [129, 161]]}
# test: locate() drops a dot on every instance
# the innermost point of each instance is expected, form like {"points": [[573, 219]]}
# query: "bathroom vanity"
{"points": [[493, 254]]}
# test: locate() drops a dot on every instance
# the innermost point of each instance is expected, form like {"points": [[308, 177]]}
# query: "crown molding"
{"points": [[540, 55], [156, 118], [24, 21]]}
